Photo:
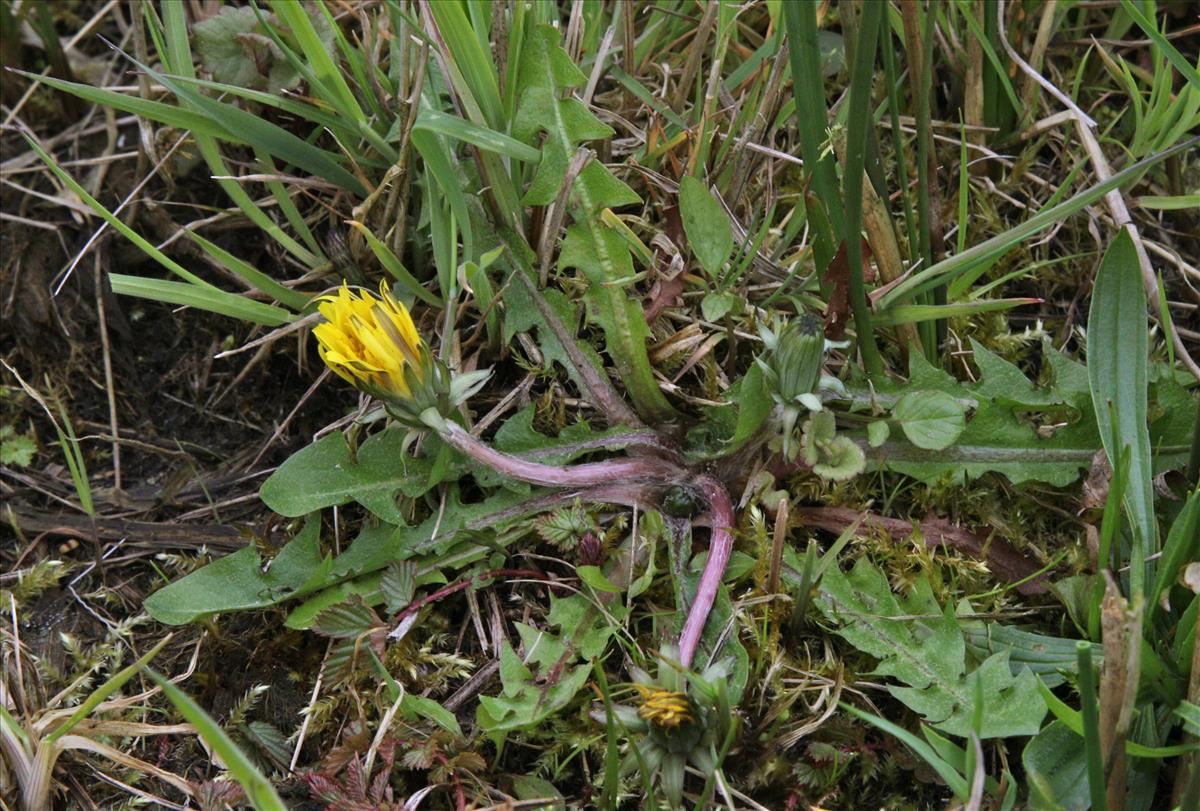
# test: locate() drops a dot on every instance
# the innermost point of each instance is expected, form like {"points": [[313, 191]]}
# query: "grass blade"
{"points": [[392, 264], [121, 228], [263, 134], [996, 246], [252, 275], [953, 779], [202, 298], [482, 137], [97, 696], [168, 114], [800, 20], [259, 791], [177, 56], [295, 16], [918, 313], [1170, 51], [858, 125], [1091, 727], [471, 69]]}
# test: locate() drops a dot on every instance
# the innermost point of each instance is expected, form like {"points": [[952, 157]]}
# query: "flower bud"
{"points": [[793, 367]]}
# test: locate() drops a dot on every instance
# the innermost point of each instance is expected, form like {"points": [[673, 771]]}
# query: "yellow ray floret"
{"points": [[368, 341], [664, 708]]}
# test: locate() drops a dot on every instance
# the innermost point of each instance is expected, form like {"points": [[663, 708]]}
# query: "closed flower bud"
{"points": [[792, 370], [793, 366]]}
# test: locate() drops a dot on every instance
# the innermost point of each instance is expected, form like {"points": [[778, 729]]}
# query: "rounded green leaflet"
{"points": [[932, 420]]}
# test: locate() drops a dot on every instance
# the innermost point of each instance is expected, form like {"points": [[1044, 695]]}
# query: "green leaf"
{"points": [[399, 584], [347, 620], [878, 433], [1181, 547], [431, 710], [600, 255], [16, 450], [231, 49], [921, 646], [1047, 656], [439, 536], [596, 579], [714, 306], [932, 420], [1001, 438], [841, 460], [238, 582], [754, 406], [522, 315], [1118, 354], [707, 227], [525, 700], [326, 474], [1003, 382], [1190, 713], [236, 49], [1056, 770]]}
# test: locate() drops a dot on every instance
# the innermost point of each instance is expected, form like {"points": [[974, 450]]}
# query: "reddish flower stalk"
{"points": [[610, 471], [719, 548], [641, 469], [446, 591]]}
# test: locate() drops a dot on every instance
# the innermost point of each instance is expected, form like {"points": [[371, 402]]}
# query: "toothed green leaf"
{"points": [[599, 254]]}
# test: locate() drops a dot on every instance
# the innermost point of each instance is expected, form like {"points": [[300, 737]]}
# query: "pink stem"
{"points": [[719, 548], [642, 469], [611, 471]]}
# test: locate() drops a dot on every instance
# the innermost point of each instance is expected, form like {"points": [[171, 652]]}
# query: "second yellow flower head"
{"points": [[665, 708], [369, 341]]}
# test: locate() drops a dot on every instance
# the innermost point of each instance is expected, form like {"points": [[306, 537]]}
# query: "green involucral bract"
{"points": [[791, 370], [592, 248]]}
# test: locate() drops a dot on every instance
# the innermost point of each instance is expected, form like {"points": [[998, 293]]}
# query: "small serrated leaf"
{"points": [[398, 584], [347, 620], [17, 450], [922, 646]]}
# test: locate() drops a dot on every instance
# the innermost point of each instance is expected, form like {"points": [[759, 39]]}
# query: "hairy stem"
{"points": [[610, 471], [642, 469], [719, 548]]}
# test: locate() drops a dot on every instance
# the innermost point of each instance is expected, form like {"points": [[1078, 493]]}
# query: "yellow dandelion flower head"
{"points": [[368, 341], [665, 708]]}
